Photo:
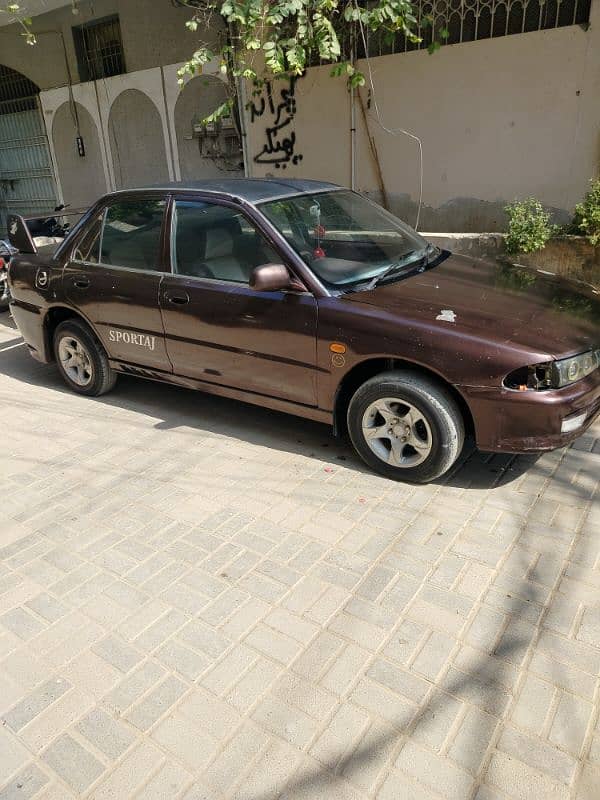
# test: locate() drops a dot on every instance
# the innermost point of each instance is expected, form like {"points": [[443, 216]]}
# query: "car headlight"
{"points": [[569, 370], [553, 374]]}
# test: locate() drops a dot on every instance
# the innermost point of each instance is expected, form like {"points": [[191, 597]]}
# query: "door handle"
{"points": [[179, 299], [81, 283]]}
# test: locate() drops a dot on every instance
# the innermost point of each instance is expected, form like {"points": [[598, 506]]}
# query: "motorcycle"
{"points": [[49, 227], [45, 231], [7, 251]]}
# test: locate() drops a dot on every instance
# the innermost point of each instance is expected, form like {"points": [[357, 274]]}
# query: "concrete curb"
{"points": [[567, 256]]}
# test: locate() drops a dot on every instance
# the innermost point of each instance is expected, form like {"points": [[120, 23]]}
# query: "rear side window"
{"points": [[132, 233]]}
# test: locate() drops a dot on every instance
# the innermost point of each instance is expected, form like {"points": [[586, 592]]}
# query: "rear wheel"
{"points": [[406, 426], [81, 359]]}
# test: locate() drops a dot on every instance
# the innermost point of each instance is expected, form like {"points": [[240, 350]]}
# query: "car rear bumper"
{"points": [[524, 422], [30, 323]]}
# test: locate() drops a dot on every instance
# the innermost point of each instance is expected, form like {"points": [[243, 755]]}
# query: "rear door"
{"points": [[114, 278], [220, 330]]}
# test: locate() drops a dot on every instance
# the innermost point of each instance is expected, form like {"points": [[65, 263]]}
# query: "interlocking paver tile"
{"points": [[24, 785], [22, 623], [130, 774], [108, 735], [13, 755], [216, 617], [148, 710], [186, 740], [168, 782], [40, 699], [73, 763], [436, 772]]}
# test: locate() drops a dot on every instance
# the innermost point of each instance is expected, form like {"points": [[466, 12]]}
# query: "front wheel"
{"points": [[406, 426]]}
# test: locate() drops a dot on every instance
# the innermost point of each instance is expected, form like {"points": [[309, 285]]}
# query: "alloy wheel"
{"points": [[397, 432], [75, 360]]}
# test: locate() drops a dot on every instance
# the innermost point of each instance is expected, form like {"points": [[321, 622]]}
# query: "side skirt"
{"points": [[274, 403]]}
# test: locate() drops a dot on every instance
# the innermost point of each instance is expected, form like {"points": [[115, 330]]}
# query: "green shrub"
{"points": [[587, 214], [529, 226]]}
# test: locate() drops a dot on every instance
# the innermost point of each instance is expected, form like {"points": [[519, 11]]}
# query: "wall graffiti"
{"points": [[279, 148]]}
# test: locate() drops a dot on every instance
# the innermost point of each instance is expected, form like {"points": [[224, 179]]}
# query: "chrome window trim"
{"points": [[231, 283]]}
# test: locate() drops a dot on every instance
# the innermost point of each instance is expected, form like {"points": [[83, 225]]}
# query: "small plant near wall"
{"points": [[587, 214], [529, 226]]}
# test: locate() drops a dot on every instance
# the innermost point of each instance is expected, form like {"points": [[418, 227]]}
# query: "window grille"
{"points": [[470, 20], [17, 93], [99, 49]]}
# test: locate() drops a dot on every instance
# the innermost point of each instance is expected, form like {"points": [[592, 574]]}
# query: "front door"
{"points": [[217, 328], [114, 280]]}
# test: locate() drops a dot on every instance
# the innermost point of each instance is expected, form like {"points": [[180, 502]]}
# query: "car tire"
{"points": [[406, 426], [81, 359]]}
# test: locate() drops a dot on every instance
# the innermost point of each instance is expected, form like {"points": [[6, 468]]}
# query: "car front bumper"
{"points": [[525, 422]]}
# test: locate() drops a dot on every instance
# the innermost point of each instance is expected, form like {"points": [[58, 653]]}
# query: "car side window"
{"points": [[88, 247], [213, 241], [131, 234]]}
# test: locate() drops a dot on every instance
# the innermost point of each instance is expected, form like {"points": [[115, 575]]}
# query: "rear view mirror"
{"points": [[274, 278]]}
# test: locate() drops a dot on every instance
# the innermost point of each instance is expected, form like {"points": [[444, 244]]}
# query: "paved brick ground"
{"points": [[202, 600]]}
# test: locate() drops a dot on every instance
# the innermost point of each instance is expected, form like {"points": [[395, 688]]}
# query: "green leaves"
{"points": [[587, 214], [13, 10], [529, 226], [279, 39], [224, 110], [195, 64]]}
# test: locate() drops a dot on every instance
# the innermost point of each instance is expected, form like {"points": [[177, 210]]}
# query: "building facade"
{"points": [[95, 104], [508, 108]]}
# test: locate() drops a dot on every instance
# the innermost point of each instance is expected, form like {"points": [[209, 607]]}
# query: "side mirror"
{"points": [[274, 278]]}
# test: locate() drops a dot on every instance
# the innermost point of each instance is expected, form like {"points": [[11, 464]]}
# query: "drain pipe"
{"points": [[243, 125], [374, 154], [352, 138], [352, 117]]}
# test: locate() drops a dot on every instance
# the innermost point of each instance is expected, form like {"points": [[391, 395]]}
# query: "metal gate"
{"points": [[27, 184]]}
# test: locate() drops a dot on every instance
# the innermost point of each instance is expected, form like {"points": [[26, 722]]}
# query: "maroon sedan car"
{"points": [[305, 297]]}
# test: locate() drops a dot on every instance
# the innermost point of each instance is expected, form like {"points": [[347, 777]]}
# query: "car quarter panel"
{"points": [[35, 283]]}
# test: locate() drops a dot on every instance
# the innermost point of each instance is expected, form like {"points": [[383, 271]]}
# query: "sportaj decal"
{"points": [[139, 339]]}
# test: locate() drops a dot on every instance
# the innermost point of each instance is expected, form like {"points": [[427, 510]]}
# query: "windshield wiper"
{"points": [[397, 266]]}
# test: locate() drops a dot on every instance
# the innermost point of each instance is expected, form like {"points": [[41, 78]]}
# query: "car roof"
{"points": [[252, 190]]}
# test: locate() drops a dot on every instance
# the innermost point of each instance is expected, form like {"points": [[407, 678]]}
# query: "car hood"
{"points": [[501, 302]]}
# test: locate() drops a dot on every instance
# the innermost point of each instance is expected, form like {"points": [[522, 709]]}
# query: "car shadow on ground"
{"points": [[176, 407]]}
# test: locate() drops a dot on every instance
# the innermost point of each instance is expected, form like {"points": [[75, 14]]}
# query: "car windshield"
{"points": [[346, 239]]}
